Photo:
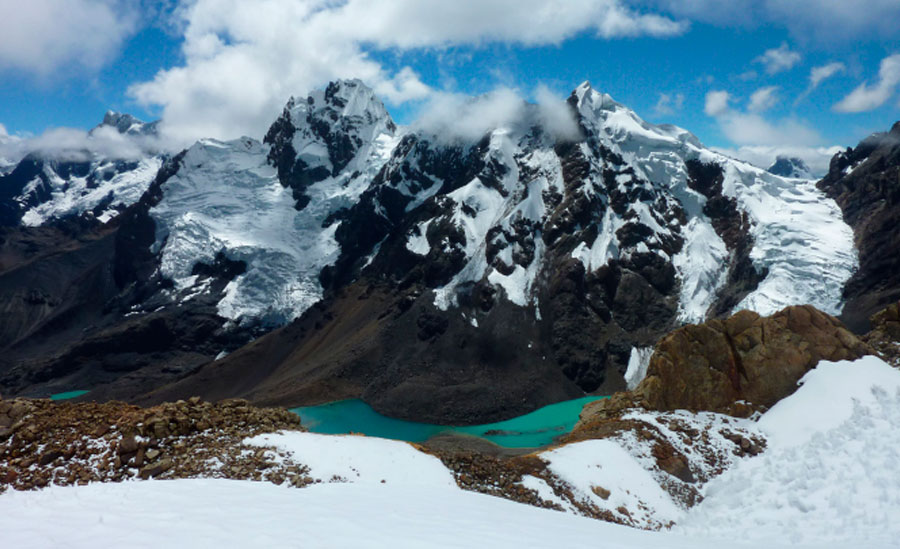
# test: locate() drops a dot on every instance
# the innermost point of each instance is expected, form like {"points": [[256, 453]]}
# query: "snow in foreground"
{"points": [[830, 471], [828, 478], [223, 513]]}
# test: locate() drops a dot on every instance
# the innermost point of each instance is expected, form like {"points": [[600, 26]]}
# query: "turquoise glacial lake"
{"points": [[67, 395], [532, 430]]}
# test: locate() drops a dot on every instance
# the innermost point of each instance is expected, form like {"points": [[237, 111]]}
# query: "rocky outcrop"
{"points": [[757, 360], [43, 442], [736, 366], [865, 182]]}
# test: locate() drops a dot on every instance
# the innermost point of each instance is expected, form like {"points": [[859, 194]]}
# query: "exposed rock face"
{"points": [[865, 182], [42, 442], [746, 357], [737, 365]]}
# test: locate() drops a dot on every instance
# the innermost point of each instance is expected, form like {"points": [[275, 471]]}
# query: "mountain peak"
{"points": [[587, 98], [126, 124], [786, 166]]}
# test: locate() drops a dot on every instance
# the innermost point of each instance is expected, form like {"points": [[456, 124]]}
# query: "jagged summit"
{"points": [[792, 167], [127, 124], [334, 130]]}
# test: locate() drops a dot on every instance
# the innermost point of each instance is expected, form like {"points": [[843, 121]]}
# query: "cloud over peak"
{"points": [[246, 58]]}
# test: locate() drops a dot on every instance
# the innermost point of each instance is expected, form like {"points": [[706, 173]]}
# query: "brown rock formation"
{"points": [[735, 366], [746, 357]]}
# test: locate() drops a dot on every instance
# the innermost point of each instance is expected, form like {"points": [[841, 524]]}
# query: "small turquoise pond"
{"points": [[67, 395], [535, 429]]}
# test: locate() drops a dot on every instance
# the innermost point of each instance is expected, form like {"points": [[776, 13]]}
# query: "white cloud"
{"points": [[824, 21], [44, 36], [869, 97], [246, 58], [778, 59], [819, 74], [556, 115], [816, 158], [669, 104], [453, 116], [747, 76], [750, 128], [77, 144], [716, 102], [763, 99]]}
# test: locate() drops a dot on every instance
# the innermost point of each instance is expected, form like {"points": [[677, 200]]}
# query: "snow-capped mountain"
{"points": [[561, 254], [46, 186], [266, 205], [791, 167]]}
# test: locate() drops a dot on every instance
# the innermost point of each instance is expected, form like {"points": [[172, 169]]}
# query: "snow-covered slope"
{"points": [[243, 514], [829, 473], [229, 198], [798, 236], [624, 192]]}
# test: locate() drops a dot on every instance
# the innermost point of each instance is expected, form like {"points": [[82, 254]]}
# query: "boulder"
{"points": [[721, 365]]}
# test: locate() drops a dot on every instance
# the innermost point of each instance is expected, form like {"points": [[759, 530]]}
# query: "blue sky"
{"points": [[223, 68]]}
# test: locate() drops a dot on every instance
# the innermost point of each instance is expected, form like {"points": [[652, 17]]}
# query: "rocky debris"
{"points": [[885, 334], [682, 451], [44, 442], [740, 364]]}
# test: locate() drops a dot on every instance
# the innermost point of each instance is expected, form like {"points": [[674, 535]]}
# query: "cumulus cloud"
{"points": [[868, 97], [555, 115], [750, 128], [824, 21], [669, 104], [716, 102], [44, 36], [763, 99], [816, 158], [246, 58], [778, 59]]}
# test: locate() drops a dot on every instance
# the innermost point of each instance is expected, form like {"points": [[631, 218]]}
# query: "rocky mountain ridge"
{"points": [[408, 267]]}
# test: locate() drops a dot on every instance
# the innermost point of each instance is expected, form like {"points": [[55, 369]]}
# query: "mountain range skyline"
{"points": [[800, 78]]}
